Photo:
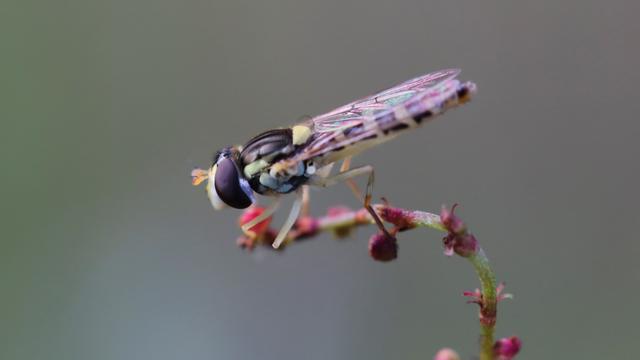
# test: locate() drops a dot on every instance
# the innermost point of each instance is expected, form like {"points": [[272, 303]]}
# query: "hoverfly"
{"points": [[288, 160]]}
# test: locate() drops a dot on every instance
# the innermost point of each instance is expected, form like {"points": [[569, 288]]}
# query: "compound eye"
{"points": [[229, 187]]}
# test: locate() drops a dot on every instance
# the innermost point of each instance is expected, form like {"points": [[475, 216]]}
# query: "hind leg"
{"points": [[305, 200], [353, 186], [348, 175]]}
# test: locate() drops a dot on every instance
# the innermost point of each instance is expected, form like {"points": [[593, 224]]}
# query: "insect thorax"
{"points": [[280, 178], [265, 160]]}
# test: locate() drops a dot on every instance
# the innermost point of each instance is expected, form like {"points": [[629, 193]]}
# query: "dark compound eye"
{"points": [[229, 187]]}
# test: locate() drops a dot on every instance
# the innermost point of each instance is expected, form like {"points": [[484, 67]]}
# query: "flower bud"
{"points": [[306, 226], [507, 348], [451, 221], [402, 219], [458, 239], [464, 245], [250, 214], [446, 354], [383, 247]]}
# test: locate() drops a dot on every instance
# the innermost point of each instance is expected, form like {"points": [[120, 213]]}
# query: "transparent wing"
{"points": [[359, 111], [371, 118]]}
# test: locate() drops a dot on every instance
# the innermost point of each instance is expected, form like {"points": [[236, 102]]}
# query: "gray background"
{"points": [[108, 252]]}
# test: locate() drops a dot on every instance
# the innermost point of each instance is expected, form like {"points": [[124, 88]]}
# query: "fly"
{"points": [[289, 160]]}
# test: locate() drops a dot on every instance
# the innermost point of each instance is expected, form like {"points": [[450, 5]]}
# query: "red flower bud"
{"points": [[464, 245], [458, 240], [306, 226], [451, 222], [507, 348], [487, 310], [250, 214], [402, 219], [383, 247]]}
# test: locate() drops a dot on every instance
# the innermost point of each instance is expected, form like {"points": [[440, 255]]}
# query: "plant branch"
{"points": [[488, 303], [341, 221]]}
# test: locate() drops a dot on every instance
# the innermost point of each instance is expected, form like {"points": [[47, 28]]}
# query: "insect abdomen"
{"points": [[417, 111], [387, 124]]}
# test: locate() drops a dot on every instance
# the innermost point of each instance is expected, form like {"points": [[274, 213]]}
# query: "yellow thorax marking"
{"points": [[301, 134]]}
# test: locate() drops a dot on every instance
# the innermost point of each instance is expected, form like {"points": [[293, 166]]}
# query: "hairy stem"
{"points": [[488, 307], [488, 298]]}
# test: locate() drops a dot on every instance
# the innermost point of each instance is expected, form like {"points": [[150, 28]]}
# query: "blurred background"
{"points": [[108, 252]]}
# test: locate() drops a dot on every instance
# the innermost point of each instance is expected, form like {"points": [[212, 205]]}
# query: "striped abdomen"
{"points": [[387, 124]]}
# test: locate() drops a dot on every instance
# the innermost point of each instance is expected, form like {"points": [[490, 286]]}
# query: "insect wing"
{"points": [[424, 81], [359, 111], [336, 122], [425, 94]]}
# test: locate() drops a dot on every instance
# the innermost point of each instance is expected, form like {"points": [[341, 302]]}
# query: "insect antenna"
{"points": [[198, 176]]}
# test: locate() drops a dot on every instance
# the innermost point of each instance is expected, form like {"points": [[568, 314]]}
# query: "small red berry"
{"points": [[383, 247]]}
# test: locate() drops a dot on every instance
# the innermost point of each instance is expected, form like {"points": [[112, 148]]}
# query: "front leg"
{"points": [[270, 210], [291, 220]]}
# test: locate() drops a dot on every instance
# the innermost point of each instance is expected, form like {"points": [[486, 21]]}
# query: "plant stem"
{"points": [[488, 300], [488, 307], [488, 296]]}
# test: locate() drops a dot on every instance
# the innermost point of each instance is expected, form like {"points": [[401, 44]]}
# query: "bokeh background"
{"points": [[108, 252]]}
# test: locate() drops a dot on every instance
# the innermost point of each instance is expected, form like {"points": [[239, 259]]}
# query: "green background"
{"points": [[108, 252]]}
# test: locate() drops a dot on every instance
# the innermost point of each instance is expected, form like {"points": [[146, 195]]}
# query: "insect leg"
{"points": [[346, 164], [291, 220], [265, 214], [341, 176], [305, 200], [348, 175]]}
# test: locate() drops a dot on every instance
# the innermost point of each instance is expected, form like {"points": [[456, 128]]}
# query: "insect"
{"points": [[288, 160]]}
